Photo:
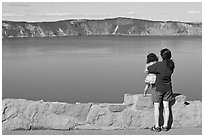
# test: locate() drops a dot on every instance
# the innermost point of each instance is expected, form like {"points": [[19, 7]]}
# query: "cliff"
{"points": [[114, 26], [135, 112]]}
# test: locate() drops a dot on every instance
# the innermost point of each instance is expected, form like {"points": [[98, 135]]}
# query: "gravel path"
{"points": [[179, 131]]}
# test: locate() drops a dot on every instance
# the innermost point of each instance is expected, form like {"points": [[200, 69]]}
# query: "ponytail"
{"points": [[166, 55], [170, 64]]}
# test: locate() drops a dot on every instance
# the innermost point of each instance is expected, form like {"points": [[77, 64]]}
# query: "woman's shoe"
{"points": [[164, 128], [156, 129]]}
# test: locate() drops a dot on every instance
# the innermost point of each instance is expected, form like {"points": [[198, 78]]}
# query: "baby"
{"points": [[151, 78]]}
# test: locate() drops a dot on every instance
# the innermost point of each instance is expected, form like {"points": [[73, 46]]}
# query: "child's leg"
{"points": [[146, 88]]}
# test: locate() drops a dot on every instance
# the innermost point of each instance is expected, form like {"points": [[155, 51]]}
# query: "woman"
{"points": [[163, 92]]}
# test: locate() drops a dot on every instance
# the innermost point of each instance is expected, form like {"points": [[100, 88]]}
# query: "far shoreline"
{"points": [[104, 36]]}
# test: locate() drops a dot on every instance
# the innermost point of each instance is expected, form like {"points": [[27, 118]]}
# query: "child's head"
{"points": [[151, 58]]}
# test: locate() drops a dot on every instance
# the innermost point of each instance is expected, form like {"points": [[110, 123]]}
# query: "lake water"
{"points": [[94, 68]]}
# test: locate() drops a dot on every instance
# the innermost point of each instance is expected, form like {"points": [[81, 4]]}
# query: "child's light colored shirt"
{"points": [[151, 78]]}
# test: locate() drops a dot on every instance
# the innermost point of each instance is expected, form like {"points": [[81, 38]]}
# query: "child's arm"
{"points": [[146, 66]]}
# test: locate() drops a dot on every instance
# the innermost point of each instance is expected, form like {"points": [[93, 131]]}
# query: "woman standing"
{"points": [[163, 92]]}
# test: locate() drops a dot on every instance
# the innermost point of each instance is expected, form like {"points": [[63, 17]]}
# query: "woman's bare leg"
{"points": [[156, 114], [166, 113]]}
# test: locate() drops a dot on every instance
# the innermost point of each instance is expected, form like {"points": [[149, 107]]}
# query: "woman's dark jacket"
{"points": [[163, 76]]}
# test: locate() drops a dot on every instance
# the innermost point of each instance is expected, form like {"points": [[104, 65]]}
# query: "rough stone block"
{"points": [[128, 99], [126, 119], [99, 115], [134, 117], [147, 118], [116, 108], [180, 98], [57, 108], [55, 122], [92, 116], [16, 123], [144, 102], [189, 116], [79, 111], [13, 116], [104, 120]]}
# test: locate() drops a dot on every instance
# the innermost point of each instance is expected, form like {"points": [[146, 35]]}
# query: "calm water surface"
{"points": [[94, 68]]}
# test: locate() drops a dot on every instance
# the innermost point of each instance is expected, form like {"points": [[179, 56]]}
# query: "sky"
{"points": [[53, 11]]}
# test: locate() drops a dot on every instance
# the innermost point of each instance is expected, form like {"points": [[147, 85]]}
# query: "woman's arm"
{"points": [[153, 69]]}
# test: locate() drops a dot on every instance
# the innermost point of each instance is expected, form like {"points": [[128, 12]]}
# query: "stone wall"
{"points": [[135, 112]]}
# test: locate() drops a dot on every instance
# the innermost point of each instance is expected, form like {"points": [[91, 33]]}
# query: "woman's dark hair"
{"points": [[151, 58], [166, 55]]}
